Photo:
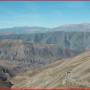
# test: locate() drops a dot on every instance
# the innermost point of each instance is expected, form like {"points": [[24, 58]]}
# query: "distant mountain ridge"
{"points": [[36, 29], [24, 30]]}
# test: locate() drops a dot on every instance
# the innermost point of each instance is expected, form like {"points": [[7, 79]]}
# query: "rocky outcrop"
{"points": [[4, 80]]}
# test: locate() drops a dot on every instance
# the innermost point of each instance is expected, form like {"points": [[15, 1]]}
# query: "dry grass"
{"points": [[54, 76]]}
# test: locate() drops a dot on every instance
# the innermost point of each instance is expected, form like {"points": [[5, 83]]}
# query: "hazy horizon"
{"points": [[43, 26]]}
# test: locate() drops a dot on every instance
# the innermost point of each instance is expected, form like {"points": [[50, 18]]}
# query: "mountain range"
{"points": [[33, 48], [35, 29]]}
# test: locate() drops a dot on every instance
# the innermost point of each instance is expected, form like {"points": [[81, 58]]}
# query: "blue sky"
{"points": [[45, 14]]}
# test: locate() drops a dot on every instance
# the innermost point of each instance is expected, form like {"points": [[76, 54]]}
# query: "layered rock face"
{"points": [[35, 50]]}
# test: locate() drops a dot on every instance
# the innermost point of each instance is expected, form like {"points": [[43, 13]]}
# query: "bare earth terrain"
{"points": [[38, 57], [71, 72]]}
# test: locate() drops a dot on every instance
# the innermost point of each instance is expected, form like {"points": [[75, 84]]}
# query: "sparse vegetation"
{"points": [[54, 76]]}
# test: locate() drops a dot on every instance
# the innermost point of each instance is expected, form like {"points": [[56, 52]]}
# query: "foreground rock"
{"points": [[4, 82]]}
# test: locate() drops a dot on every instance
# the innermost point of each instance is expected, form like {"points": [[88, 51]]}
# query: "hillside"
{"points": [[54, 75], [19, 55], [22, 51]]}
